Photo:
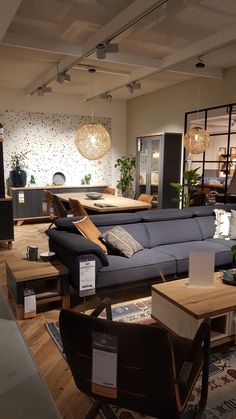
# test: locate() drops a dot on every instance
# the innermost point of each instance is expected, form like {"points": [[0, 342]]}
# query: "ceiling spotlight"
{"points": [[61, 77], [199, 63], [44, 89], [106, 96], [104, 48], [133, 86]]}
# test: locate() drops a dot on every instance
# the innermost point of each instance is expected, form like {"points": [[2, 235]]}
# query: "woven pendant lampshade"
{"points": [[93, 141], [196, 140]]}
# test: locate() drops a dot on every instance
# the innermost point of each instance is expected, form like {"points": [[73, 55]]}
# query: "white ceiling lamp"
{"points": [[92, 140], [43, 89], [62, 77], [106, 47], [106, 96], [133, 86]]}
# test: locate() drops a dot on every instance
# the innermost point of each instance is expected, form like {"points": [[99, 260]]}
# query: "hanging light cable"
{"points": [[196, 139], [92, 140]]}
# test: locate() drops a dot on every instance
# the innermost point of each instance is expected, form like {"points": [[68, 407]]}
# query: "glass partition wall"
{"points": [[217, 164]]}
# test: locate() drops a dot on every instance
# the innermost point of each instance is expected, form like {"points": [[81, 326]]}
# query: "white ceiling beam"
{"points": [[204, 46], [8, 11], [126, 18], [42, 44]]}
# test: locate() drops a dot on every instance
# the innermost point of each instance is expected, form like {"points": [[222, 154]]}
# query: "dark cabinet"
{"points": [[159, 164], [6, 221], [29, 202]]}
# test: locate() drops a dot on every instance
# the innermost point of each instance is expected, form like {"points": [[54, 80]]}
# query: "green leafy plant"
{"points": [[125, 165], [233, 248], [87, 178], [188, 188], [18, 159]]}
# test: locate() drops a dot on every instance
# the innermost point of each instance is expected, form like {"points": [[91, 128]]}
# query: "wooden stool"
{"points": [[40, 276]]}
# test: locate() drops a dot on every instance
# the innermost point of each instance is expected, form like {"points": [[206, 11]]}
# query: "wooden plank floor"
{"points": [[71, 403]]}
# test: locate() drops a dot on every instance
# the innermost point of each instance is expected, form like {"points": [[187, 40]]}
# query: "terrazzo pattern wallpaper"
{"points": [[49, 143]]}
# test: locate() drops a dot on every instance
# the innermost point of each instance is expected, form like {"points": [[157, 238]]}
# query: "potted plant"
{"points": [[17, 174], [87, 178], [125, 165], [187, 191]]}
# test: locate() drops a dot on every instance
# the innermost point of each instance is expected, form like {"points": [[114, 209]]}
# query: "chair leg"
{"points": [[94, 409]]}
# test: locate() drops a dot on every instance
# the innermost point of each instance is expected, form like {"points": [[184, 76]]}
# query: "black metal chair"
{"points": [[58, 206], [156, 371]]}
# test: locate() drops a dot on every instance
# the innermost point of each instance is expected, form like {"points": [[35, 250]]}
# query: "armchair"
{"points": [[156, 371]]}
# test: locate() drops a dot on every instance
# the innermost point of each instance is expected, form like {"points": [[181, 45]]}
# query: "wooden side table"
{"points": [[49, 280]]}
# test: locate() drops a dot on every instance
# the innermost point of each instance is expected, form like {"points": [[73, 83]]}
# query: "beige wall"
{"points": [[65, 104], [164, 110]]}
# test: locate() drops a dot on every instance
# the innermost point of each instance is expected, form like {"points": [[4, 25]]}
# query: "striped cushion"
{"points": [[119, 239]]}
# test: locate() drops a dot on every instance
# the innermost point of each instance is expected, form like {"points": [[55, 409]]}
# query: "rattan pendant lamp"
{"points": [[92, 140]]}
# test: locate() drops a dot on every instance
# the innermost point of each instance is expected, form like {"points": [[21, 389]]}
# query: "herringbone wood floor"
{"points": [[71, 403]]}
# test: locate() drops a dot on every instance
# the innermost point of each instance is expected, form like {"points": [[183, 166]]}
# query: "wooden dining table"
{"points": [[107, 203]]}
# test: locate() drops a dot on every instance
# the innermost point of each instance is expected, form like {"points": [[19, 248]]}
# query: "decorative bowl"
{"points": [[46, 256], [93, 195]]}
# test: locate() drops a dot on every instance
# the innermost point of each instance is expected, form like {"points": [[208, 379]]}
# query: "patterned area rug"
{"points": [[222, 381]]}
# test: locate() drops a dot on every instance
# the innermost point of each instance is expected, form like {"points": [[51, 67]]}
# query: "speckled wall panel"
{"points": [[49, 140]]}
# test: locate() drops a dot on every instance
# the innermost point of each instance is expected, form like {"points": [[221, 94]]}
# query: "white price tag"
{"points": [[87, 278], [21, 197], [45, 206], [104, 367], [29, 304]]}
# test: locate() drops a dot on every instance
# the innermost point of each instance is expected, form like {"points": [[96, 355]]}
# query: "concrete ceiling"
{"points": [[159, 44]]}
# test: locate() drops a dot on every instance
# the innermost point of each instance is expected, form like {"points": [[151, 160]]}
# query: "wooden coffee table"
{"points": [[49, 280], [181, 309]]}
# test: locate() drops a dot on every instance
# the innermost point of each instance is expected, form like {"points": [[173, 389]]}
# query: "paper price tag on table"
{"points": [[87, 278], [104, 367], [29, 303]]}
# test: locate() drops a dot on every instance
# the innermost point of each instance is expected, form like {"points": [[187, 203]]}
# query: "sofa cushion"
{"points": [[180, 251], [207, 226], [172, 231], [202, 211], [119, 239], [222, 220], [232, 225], [137, 231], [143, 265], [166, 214], [89, 231]]}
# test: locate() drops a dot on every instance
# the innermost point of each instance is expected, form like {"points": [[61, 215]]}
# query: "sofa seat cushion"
{"points": [[225, 242], [145, 264], [172, 231], [180, 251]]}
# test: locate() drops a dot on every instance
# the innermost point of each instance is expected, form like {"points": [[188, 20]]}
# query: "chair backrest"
{"points": [[77, 207], [146, 370], [58, 206], [129, 193], [48, 198], [110, 190], [146, 198]]}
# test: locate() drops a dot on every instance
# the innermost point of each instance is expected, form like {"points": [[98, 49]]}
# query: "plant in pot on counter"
{"points": [[17, 174], [187, 191], [126, 166], [87, 178]]}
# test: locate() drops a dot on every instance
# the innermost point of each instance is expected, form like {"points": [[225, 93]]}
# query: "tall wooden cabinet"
{"points": [[159, 164]]}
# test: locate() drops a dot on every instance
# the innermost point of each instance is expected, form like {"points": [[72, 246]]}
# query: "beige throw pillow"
{"points": [[89, 231], [119, 239], [232, 226]]}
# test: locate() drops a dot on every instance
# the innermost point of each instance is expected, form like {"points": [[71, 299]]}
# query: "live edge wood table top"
{"points": [[117, 203], [199, 302]]}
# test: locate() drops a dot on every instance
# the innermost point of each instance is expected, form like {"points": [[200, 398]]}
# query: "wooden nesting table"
{"points": [[49, 280], [181, 309]]}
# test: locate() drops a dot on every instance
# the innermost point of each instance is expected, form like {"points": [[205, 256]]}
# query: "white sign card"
{"points": [[87, 278], [21, 197], [29, 303], [201, 268], [104, 364]]}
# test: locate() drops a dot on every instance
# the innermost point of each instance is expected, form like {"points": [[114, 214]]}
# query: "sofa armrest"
{"points": [[77, 245]]}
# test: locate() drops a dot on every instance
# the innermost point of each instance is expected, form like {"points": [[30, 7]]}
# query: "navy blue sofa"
{"points": [[167, 236]]}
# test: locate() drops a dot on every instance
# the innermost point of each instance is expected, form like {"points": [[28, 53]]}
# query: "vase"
{"points": [[18, 177]]}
